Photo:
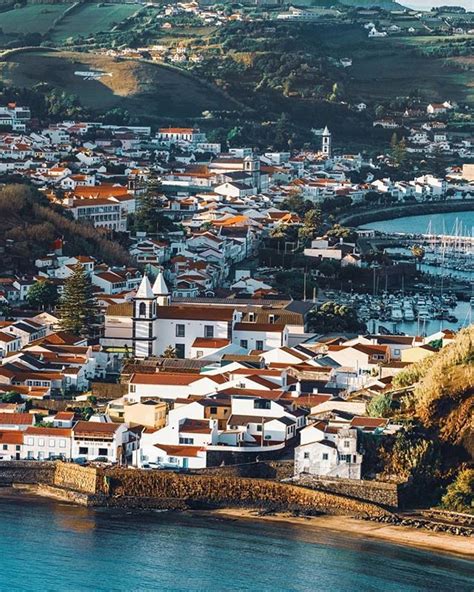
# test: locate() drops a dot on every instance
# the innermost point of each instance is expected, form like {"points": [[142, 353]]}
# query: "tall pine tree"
{"points": [[78, 307]]}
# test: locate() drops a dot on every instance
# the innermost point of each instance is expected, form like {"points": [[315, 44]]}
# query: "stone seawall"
{"points": [[386, 494], [271, 469], [24, 472], [231, 491], [77, 478]]}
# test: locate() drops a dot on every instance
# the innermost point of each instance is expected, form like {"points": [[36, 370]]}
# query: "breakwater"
{"points": [[362, 217]]}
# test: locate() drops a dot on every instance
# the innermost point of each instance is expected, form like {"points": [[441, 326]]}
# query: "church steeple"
{"points": [[327, 143], [160, 290], [144, 317]]}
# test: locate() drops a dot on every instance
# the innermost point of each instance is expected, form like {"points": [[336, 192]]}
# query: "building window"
{"points": [[199, 353], [103, 452], [213, 410], [52, 443], [179, 330], [179, 348], [62, 443], [41, 442], [30, 441], [209, 331], [83, 450], [262, 404], [346, 443], [133, 388], [325, 456], [186, 440], [244, 344], [259, 428], [142, 309], [5, 447], [306, 455], [259, 345]]}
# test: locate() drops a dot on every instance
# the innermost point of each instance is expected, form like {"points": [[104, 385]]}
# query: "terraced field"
{"points": [[33, 18]]}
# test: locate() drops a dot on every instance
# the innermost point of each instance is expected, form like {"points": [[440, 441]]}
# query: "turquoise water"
{"points": [[419, 224], [49, 547]]}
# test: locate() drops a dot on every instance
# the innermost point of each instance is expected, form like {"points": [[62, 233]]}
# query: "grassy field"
{"points": [[92, 18], [147, 91], [34, 18]]}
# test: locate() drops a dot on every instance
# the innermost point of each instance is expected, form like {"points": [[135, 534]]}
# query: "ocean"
{"points": [[49, 546], [440, 223]]}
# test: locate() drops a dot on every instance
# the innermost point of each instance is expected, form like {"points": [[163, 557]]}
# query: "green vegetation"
{"points": [[332, 317], [459, 496], [78, 308], [146, 91], [32, 18], [31, 224], [147, 217], [11, 397], [43, 294]]}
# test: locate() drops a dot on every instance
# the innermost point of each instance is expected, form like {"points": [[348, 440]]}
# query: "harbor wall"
{"points": [[216, 491], [362, 217], [386, 494]]}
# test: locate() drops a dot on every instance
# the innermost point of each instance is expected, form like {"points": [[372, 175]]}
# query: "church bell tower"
{"points": [[144, 320]]}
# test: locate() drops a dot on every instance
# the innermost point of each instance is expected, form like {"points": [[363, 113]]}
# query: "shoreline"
{"points": [[355, 528], [404, 536], [364, 217]]}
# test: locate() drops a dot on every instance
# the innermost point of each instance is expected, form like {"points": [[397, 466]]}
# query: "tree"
{"points": [[311, 223], [43, 294], [77, 307], [398, 149], [170, 353], [334, 317], [380, 406], [459, 496], [148, 218], [11, 397], [418, 253]]}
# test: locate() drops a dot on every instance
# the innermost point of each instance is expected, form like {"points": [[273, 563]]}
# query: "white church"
{"points": [[151, 323]]}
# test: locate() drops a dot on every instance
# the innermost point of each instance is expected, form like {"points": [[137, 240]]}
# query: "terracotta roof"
{"points": [[368, 422], [210, 343], [16, 418], [165, 378], [11, 437], [95, 429], [195, 426], [44, 431]]}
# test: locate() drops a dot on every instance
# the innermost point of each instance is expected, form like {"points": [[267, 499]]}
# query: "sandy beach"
{"points": [[399, 535]]}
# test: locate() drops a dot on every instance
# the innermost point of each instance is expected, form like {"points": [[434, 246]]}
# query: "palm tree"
{"points": [[170, 353]]}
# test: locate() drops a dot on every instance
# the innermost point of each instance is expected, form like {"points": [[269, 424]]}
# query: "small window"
{"points": [[213, 410], [259, 345], [346, 443], [209, 331], [325, 456], [5, 447], [262, 404], [103, 452], [142, 309], [259, 428], [52, 443], [83, 450], [306, 455], [180, 330], [244, 344]]}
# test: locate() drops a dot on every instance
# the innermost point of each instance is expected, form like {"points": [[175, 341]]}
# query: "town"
{"points": [[193, 355], [236, 287]]}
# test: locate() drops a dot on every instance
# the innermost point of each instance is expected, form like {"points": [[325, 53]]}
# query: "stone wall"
{"points": [[25, 472], [386, 494], [232, 491], [77, 478], [271, 469]]}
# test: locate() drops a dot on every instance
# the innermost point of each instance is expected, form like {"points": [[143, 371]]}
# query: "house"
{"points": [[149, 413], [45, 443], [11, 442], [328, 452], [104, 440], [16, 421]]}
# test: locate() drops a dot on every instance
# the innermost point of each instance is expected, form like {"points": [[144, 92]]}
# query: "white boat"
{"points": [[396, 314]]}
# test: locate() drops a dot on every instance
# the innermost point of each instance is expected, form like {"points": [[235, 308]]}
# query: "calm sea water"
{"points": [[49, 547], [419, 224]]}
